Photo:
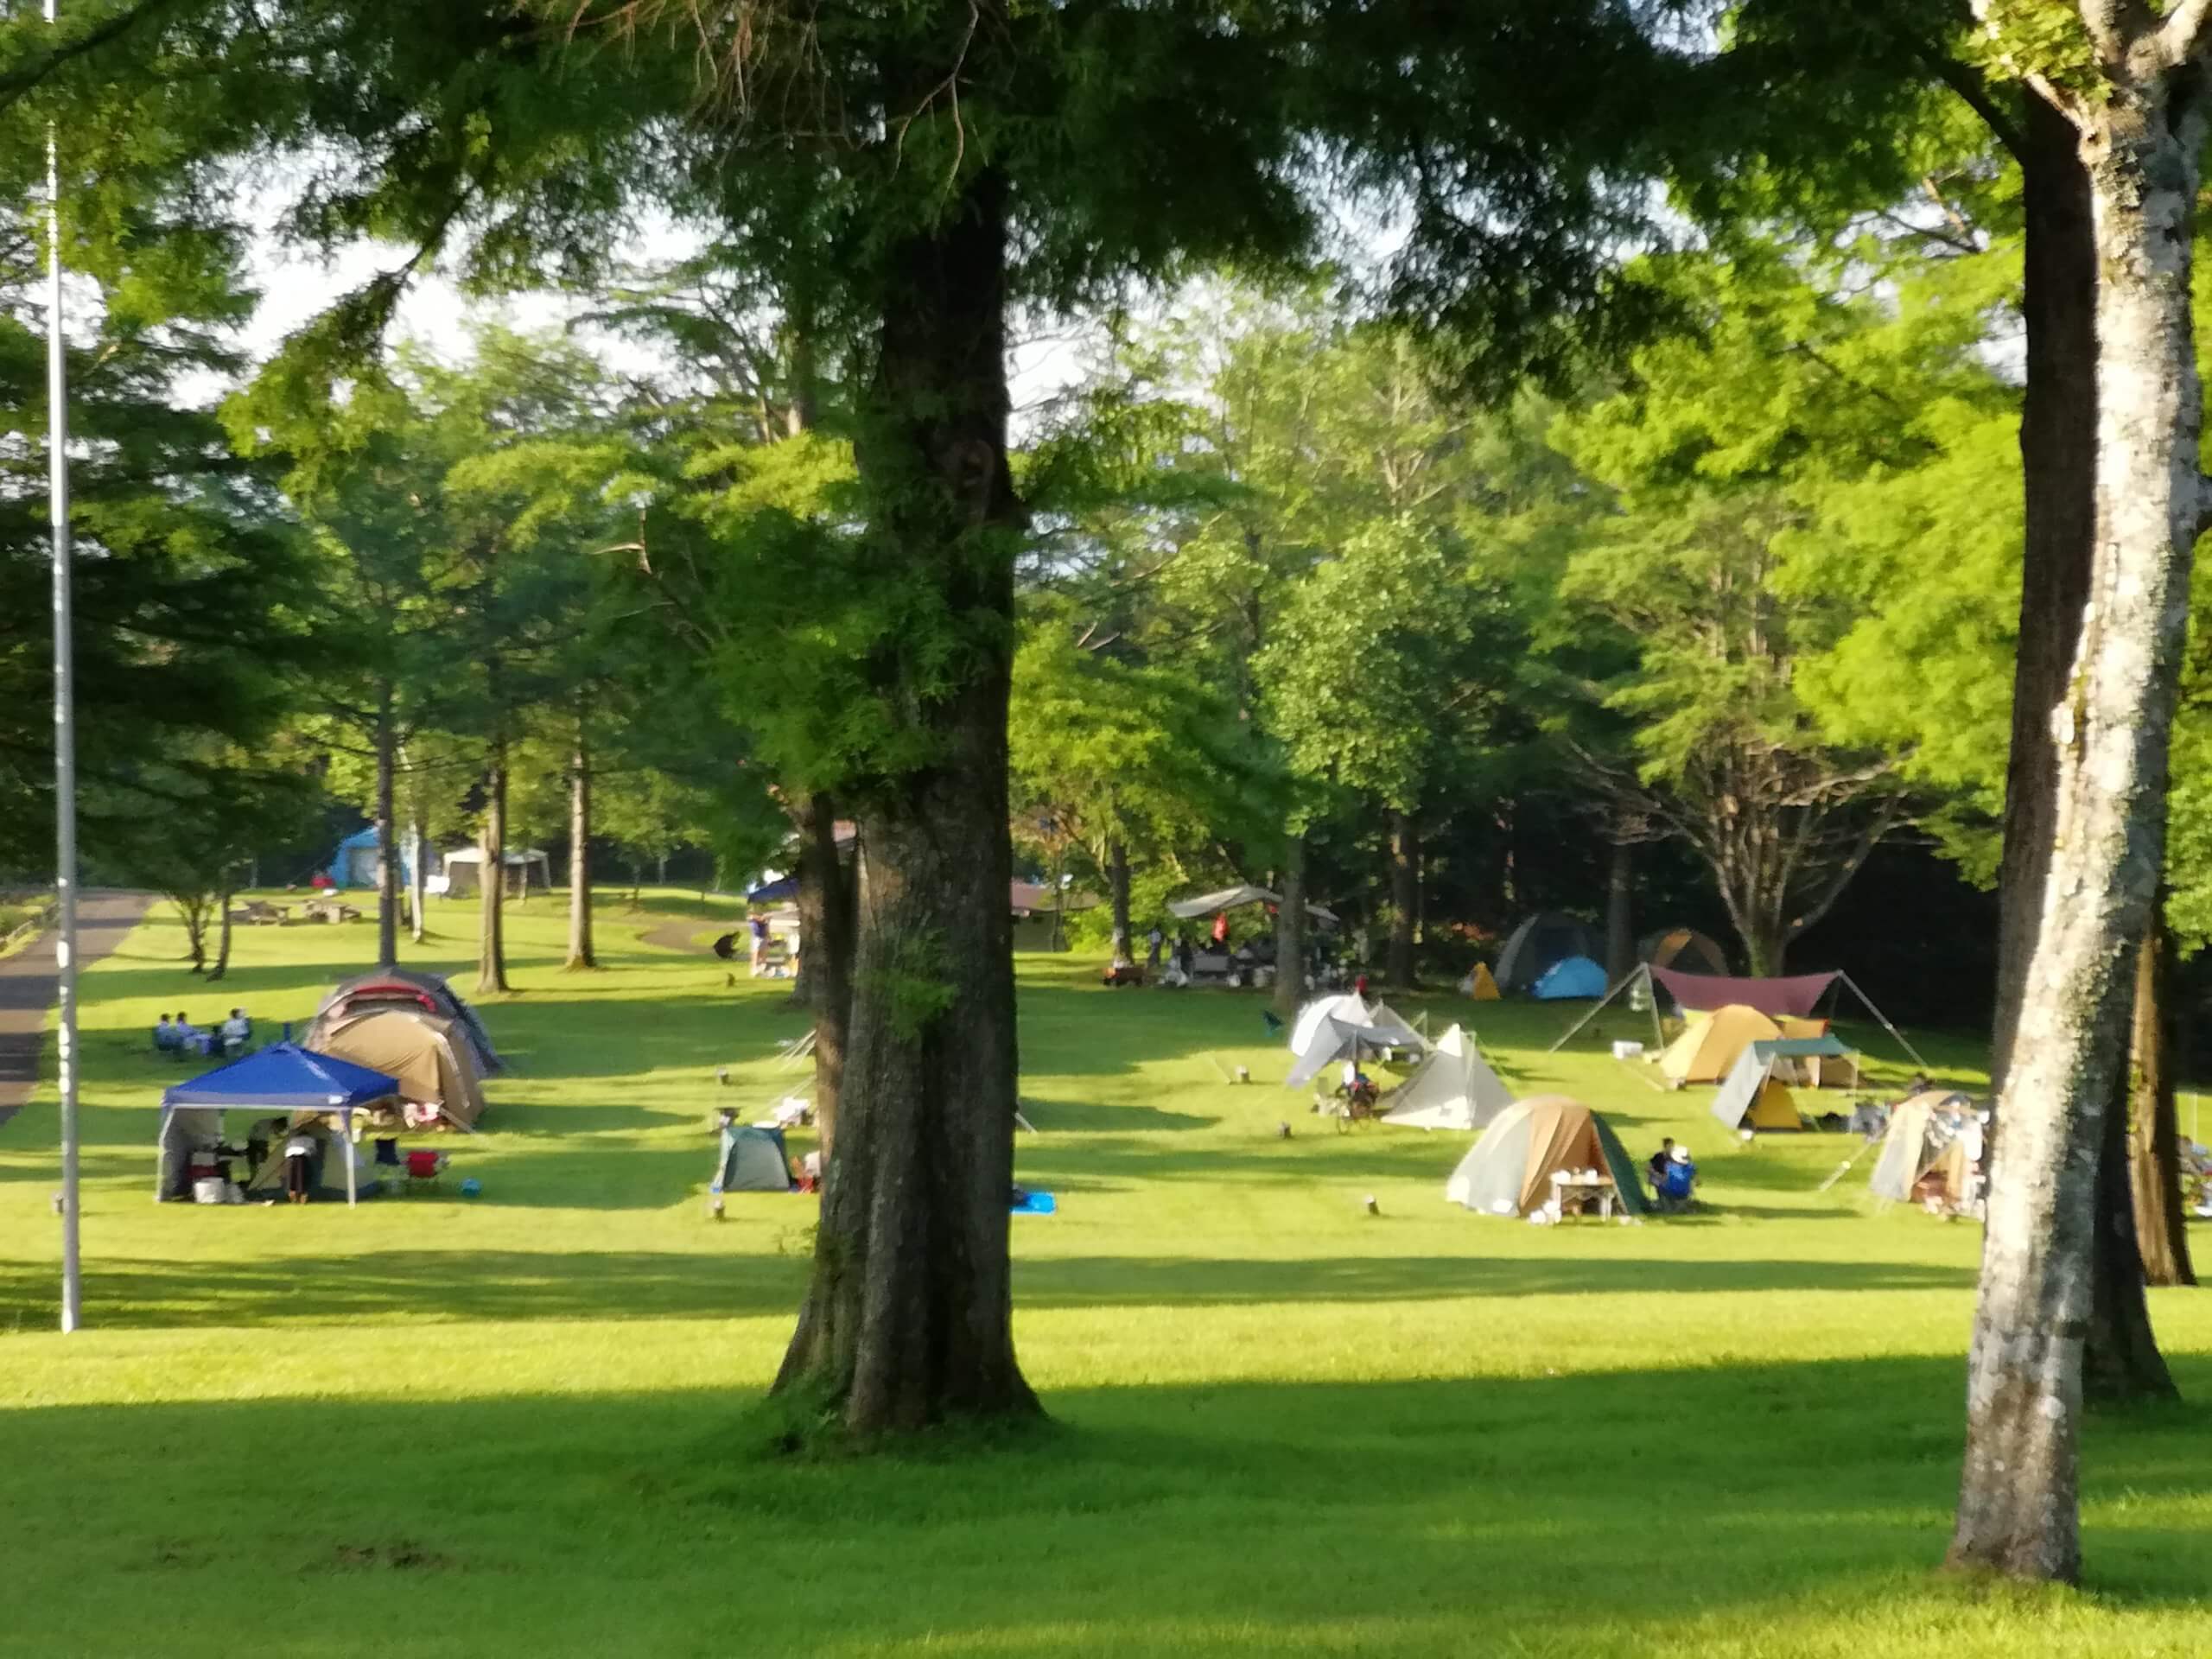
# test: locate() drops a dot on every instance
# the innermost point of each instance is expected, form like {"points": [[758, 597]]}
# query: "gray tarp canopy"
{"points": [[1206, 904], [1827, 1047], [1338, 1038]]}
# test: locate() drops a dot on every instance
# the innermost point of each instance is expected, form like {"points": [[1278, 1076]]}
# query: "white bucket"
{"points": [[208, 1189]]}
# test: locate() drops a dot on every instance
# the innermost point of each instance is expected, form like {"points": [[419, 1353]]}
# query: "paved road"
{"points": [[28, 987]]}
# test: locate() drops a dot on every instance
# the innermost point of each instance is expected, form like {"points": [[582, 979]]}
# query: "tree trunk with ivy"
{"points": [[908, 1318]]}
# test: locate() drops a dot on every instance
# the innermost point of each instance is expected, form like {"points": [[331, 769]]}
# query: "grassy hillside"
{"points": [[519, 1423]]}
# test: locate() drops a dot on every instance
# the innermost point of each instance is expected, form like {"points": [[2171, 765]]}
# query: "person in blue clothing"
{"points": [[1676, 1186], [759, 943]]}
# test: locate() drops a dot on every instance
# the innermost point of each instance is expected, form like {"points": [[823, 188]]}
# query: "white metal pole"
{"points": [[65, 736]]}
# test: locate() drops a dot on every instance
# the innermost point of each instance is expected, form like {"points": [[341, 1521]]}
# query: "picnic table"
{"points": [[329, 910], [1579, 1191], [261, 912]]}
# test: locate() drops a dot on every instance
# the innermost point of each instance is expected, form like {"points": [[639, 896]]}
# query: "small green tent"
{"points": [[752, 1160]]}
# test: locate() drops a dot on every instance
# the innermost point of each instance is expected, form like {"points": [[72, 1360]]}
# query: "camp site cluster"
{"points": [[1768, 1047], [395, 1060]]}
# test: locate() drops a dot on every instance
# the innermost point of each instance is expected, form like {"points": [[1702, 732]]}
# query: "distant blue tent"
{"points": [[1568, 978], [354, 863], [283, 1078]]}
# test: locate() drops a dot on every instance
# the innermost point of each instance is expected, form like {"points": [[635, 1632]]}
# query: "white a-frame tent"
{"points": [[1454, 1089]]}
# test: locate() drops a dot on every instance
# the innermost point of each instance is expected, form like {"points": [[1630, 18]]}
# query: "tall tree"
{"points": [[2130, 81]]}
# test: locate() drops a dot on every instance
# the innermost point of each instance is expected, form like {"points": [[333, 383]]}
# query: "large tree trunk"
{"points": [[825, 933], [908, 1318], [2153, 1143], [1290, 931], [492, 948], [2120, 1361], [1117, 889], [581, 954], [1620, 912], [2058, 448], [1405, 898], [2018, 1504], [387, 838]]}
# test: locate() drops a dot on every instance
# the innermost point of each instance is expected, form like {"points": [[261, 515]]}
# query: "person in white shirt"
{"points": [[299, 1163], [236, 1029]]}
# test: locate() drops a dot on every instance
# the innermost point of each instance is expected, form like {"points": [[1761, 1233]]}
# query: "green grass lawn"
{"points": [[519, 1424]]}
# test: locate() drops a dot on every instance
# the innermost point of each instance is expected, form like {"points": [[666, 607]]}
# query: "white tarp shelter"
{"points": [[1208, 904], [1454, 1089]]}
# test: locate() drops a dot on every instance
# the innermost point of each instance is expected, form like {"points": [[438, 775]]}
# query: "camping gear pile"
{"points": [[1932, 1154]]}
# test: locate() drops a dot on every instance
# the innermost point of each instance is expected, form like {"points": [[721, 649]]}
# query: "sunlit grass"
{"points": [[518, 1423]]}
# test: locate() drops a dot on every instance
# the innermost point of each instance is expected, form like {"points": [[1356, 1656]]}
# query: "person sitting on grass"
{"points": [[236, 1029], [1655, 1167], [165, 1037], [1677, 1188]]}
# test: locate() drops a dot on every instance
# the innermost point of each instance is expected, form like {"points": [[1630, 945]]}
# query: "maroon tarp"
{"points": [[1699, 993]]}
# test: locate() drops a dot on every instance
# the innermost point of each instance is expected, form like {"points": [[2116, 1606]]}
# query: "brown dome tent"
{"points": [[429, 1055]]}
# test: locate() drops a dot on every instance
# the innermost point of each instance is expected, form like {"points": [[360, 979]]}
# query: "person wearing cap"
{"points": [[1679, 1185]]}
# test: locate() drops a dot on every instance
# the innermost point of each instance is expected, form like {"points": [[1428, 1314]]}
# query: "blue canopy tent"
{"points": [[354, 863], [1570, 977], [774, 893], [281, 1078]]}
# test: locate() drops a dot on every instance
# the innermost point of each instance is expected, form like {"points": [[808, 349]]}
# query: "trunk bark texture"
{"points": [[2019, 1500], [2120, 1361], [2153, 1145], [1620, 912], [1290, 933], [1117, 884], [387, 839], [908, 1319], [492, 950], [825, 957], [1405, 898], [222, 938], [581, 954], [2058, 448]]}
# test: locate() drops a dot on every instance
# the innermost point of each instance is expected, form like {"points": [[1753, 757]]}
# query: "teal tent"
{"points": [[752, 1160]]}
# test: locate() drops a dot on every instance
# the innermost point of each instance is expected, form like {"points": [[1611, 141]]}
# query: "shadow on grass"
{"points": [[762, 1272], [1797, 1506]]}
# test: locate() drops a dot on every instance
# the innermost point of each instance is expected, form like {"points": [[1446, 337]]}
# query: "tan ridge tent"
{"points": [[1709, 1048], [428, 1054], [1508, 1170]]}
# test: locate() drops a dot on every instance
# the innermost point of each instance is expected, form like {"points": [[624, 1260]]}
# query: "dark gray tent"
{"points": [[1542, 939]]}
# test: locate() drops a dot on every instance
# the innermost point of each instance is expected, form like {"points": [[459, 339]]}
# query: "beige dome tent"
{"points": [[428, 1054], [1454, 1089], [1710, 1047]]}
